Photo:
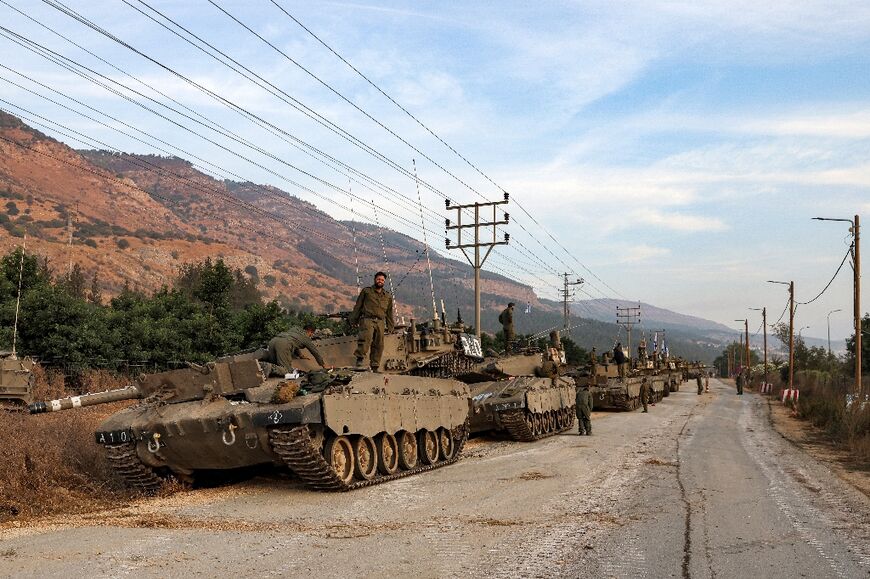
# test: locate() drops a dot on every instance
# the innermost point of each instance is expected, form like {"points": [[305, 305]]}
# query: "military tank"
{"points": [[336, 430], [432, 349], [16, 379], [609, 392], [521, 395]]}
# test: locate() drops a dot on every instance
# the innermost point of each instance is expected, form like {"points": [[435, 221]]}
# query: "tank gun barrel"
{"points": [[128, 393]]}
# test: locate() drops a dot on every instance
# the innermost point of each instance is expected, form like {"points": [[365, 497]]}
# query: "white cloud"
{"points": [[642, 252], [676, 221]]}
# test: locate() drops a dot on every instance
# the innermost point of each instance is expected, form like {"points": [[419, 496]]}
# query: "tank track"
{"points": [[514, 423], [125, 461], [294, 446]]}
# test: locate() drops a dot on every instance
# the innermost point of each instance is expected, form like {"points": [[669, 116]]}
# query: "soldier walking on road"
{"points": [[644, 393], [739, 382], [584, 410], [506, 319], [283, 346], [373, 313]]}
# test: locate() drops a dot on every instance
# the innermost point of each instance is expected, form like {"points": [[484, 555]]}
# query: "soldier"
{"points": [[555, 340], [506, 319], [584, 410], [373, 313], [593, 361], [700, 385], [644, 393], [739, 381], [619, 358], [549, 367], [282, 347]]}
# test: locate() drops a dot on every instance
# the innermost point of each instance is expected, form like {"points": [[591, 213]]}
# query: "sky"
{"points": [[671, 152]]}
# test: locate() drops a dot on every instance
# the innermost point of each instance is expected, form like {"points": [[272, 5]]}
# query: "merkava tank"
{"points": [[335, 430], [432, 349], [521, 395], [16, 379], [609, 392]]}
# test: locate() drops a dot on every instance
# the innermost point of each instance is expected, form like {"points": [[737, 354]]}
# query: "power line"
{"points": [[845, 257]]}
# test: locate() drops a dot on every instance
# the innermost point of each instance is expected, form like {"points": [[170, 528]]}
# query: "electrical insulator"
{"points": [[447, 202], [447, 243], [506, 195], [507, 237], [507, 217], [447, 223]]}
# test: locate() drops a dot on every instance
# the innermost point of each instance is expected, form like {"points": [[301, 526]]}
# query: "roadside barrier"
{"points": [[790, 395]]}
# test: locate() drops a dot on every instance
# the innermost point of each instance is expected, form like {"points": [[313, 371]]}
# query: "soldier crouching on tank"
{"points": [[584, 410], [284, 345], [373, 313]]}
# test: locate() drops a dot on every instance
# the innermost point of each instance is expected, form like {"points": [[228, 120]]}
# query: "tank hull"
{"points": [[228, 433], [523, 408]]}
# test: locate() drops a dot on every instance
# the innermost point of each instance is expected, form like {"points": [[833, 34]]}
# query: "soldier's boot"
{"points": [[360, 365], [375, 369]]}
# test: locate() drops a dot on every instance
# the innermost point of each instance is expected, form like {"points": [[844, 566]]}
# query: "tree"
{"points": [[865, 346]]}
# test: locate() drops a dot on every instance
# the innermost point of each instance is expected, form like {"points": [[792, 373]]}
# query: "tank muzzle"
{"points": [[37, 408]]}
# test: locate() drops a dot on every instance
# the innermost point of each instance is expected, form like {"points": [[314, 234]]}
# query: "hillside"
{"points": [[137, 218]]}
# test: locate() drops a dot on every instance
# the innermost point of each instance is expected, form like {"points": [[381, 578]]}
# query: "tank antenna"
{"points": [[425, 242], [18, 299], [383, 248], [353, 233]]}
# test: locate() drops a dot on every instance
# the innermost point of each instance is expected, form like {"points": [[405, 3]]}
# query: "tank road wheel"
{"points": [[428, 442], [365, 458], [557, 420], [551, 421], [530, 421], [539, 423], [446, 444], [407, 450], [339, 455], [388, 454]]}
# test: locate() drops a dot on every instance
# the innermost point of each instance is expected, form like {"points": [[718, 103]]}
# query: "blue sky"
{"points": [[677, 149]]}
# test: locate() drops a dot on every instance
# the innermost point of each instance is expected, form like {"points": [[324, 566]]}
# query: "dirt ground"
{"points": [[814, 442]]}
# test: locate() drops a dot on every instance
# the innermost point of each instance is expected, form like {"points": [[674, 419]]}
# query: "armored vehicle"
{"points": [[432, 349], [611, 393], [16, 379], [521, 395], [335, 430]]}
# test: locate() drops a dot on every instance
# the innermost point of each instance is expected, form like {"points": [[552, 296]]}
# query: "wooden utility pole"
{"points": [[856, 268], [748, 353], [764, 323], [628, 317], [477, 262], [791, 335], [565, 295]]}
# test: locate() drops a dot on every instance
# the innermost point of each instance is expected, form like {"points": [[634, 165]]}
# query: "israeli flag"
{"points": [[528, 307], [656, 343]]}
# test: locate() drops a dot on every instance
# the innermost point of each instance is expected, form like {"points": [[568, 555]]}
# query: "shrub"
{"points": [[122, 243]]}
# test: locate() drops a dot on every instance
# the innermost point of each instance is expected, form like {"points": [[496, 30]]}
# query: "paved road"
{"points": [[699, 487]]}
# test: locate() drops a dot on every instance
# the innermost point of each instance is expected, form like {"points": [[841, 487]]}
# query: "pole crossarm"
{"points": [[477, 260]]}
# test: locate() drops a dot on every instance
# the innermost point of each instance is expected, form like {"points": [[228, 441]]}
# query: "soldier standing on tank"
{"points": [[506, 319], [584, 410], [619, 358], [373, 313], [644, 393], [282, 347]]}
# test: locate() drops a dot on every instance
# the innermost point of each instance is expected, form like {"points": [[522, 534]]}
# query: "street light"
{"points": [[855, 230], [801, 330], [748, 361], [829, 330]]}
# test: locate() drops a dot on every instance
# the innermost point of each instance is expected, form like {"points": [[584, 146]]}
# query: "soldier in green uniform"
{"points": [[373, 313], [644, 393], [584, 410], [739, 382], [700, 385], [284, 345], [506, 319]]}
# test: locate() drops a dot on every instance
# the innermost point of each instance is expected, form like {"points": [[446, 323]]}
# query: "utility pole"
{"points": [[477, 262], [741, 353], [748, 352], [628, 317], [855, 230], [565, 295], [790, 285], [764, 325]]}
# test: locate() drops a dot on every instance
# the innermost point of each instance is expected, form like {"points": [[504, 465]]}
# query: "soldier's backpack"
{"points": [[501, 318]]}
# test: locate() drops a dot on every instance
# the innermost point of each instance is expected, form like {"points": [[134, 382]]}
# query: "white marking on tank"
{"points": [[76, 401], [55, 405]]}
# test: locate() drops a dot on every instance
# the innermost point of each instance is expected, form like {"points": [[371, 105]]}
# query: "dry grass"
{"points": [[823, 402], [50, 463]]}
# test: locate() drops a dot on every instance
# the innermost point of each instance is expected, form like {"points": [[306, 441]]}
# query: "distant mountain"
{"points": [[651, 317]]}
